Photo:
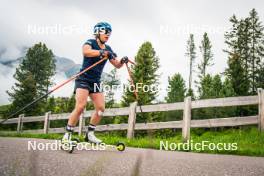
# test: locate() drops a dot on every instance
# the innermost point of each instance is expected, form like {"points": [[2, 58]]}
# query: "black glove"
{"points": [[124, 60], [105, 53]]}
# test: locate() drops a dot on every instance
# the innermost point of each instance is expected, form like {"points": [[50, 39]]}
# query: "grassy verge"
{"points": [[247, 141]]}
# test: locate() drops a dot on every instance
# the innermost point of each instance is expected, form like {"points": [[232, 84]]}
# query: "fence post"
{"points": [[186, 122], [261, 109], [46, 123], [81, 123], [20, 123], [131, 120]]}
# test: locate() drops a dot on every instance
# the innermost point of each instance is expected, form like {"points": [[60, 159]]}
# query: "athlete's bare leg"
{"points": [[81, 101], [99, 105], [81, 96]]}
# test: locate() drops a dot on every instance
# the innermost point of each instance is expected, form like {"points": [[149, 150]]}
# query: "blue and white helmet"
{"points": [[102, 28]]}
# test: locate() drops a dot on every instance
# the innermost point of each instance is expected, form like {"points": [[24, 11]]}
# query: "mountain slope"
{"points": [[63, 65]]}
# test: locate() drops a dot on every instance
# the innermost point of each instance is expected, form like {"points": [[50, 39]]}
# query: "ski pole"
{"points": [[130, 61], [53, 89], [133, 84]]}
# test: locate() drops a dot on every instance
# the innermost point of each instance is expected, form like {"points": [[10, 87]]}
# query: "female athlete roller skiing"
{"points": [[88, 84]]}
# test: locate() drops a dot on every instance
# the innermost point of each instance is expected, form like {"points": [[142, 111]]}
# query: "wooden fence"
{"points": [[186, 123]]}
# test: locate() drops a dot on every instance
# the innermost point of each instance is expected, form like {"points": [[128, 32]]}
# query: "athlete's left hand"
{"points": [[124, 60]]}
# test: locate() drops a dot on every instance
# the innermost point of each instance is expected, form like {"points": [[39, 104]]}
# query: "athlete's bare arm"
{"points": [[89, 52], [116, 63]]}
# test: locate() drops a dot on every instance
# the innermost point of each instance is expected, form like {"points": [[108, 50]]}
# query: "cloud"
{"points": [[133, 23], [7, 80], [6, 77], [66, 90]]}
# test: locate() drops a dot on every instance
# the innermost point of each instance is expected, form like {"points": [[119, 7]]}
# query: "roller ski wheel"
{"points": [[120, 146]]}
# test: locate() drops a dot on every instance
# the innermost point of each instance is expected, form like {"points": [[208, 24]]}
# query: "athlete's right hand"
{"points": [[105, 53]]}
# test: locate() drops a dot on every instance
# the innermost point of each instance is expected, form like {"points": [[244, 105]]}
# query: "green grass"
{"points": [[249, 141]]}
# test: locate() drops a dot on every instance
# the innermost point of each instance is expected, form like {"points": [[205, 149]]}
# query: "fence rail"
{"points": [[185, 124]]}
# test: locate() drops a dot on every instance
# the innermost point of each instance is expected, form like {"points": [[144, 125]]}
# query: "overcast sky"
{"points": [[65, 25]]}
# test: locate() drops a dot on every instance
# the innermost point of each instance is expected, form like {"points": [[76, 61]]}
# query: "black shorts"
{"points": [[92, 87]]}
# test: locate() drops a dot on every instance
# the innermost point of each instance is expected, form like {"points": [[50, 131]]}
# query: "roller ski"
{"points": [[101, 146], [91, 142], [91, 139]]}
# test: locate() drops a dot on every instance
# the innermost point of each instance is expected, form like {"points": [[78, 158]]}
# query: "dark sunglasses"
{"points": [[106, 31]]}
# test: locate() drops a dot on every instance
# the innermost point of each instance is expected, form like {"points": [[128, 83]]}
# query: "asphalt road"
{"points": [[16, 159]]}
